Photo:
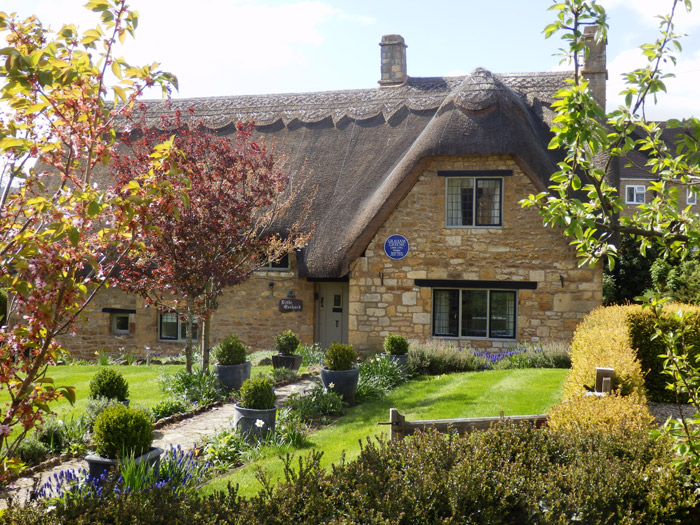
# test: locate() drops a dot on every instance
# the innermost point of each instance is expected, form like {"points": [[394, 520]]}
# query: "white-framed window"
{"points": [[172, 328], [474, 313], [120, 323], [634, 194], [279, 265], [690, 197], [473, 201]]}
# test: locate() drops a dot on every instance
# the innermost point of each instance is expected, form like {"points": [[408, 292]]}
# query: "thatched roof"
{"points": [[362, 149]]}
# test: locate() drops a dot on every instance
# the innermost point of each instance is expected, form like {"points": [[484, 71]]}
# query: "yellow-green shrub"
{"points": [[641, 325], [602, 340], [612, 414]]}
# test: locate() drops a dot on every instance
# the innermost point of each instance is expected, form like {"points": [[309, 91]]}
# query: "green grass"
{"points": [[144, 389], [472, 394]]}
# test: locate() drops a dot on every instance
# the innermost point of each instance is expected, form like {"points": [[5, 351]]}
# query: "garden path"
{"points": [[186, 433]]}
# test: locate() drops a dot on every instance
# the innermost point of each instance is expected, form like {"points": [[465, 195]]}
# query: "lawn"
{"points": [[471, 394], [144, 389]]}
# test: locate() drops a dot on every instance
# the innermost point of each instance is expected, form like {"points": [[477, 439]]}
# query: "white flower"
{"points": [[331, 385], [259, 423]]}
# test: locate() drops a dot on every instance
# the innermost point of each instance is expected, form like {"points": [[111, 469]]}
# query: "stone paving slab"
{"points": [[186, 433]]}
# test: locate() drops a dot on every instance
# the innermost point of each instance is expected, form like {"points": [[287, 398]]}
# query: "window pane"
{"points": [[502, 314], [168, 326], [121, 323], [634, 194], [488, 203], [446, 312], [474, 313], [460, 201], [283, 263], [183, 331]]}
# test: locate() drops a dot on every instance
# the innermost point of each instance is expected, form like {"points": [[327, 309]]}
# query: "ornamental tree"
{"points": [[61, 235], [237, 197], [582, 200], [587, 205]]}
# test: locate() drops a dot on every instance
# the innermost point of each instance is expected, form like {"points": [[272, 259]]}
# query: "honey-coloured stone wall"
{"points": [[250, 310], [385, 299]]}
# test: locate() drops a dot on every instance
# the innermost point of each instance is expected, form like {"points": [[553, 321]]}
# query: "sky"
{"points": [[245, 47]]}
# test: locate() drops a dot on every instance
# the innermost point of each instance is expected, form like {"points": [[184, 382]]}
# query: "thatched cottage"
{"points": [[418, 227]]}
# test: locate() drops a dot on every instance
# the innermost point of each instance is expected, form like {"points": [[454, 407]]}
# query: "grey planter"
{"points": [[293, 362], [248, 421], [232, 376], [343, 382], [401, 360], [98, 466]]}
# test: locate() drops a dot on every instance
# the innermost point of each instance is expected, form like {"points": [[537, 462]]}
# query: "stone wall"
{"points": [[250, 310], [383, 294]]}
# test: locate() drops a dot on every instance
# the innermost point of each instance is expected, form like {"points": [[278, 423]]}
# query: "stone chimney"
{"points": [[393, 61], [595, 66]]}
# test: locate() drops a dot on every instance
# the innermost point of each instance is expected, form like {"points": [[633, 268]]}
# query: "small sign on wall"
{"points": [[290, 305], [396, 246]]}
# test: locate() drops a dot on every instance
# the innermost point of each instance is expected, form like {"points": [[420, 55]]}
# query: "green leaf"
{"points": [[74, 236], [97, 5]]}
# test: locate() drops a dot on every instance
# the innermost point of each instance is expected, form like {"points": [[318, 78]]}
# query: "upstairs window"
{"points": [[634, 194], [690, 197], [474, 201], [280, 265]]}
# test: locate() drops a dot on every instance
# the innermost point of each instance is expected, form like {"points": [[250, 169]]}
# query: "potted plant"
{"points": [[396, 348], [109, 384], [254, 414], [340, 374], [121, 432], [286, 344], [231, 369]]}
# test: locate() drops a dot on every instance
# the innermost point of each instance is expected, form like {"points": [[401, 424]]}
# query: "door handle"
{"points": [[336, 323]]}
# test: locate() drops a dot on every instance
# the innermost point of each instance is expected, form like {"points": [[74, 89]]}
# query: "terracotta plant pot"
{"points": [[232, 376], [293, 362], [343, 382], [98, 465], [253, 422]]}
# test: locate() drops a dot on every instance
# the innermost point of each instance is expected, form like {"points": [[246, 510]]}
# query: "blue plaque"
{"points": [[396, 247]]}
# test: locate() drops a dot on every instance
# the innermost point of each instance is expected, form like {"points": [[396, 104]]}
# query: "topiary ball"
{"points": [[110, 384], [257, 393], [120, 431], [395, 344], [286, 342], [340, 357], [230, 351]]}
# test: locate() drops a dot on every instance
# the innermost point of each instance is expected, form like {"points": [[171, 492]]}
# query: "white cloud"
{"points": [[648, 11], [681, 98]]}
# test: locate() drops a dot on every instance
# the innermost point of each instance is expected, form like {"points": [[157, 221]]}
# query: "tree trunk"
{"points": [[206, 328], [205, 345], [188, 329]]}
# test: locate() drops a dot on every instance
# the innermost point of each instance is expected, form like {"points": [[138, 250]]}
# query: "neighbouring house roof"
{"points": [[635, 164], [364, 149]]}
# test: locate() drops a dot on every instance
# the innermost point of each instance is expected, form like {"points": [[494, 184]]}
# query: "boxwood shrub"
{"points": [[109, 383], [120, 431], [641, 327]]}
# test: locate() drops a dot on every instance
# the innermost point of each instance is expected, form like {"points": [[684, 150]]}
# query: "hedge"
{"points": [[641, 328]]}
